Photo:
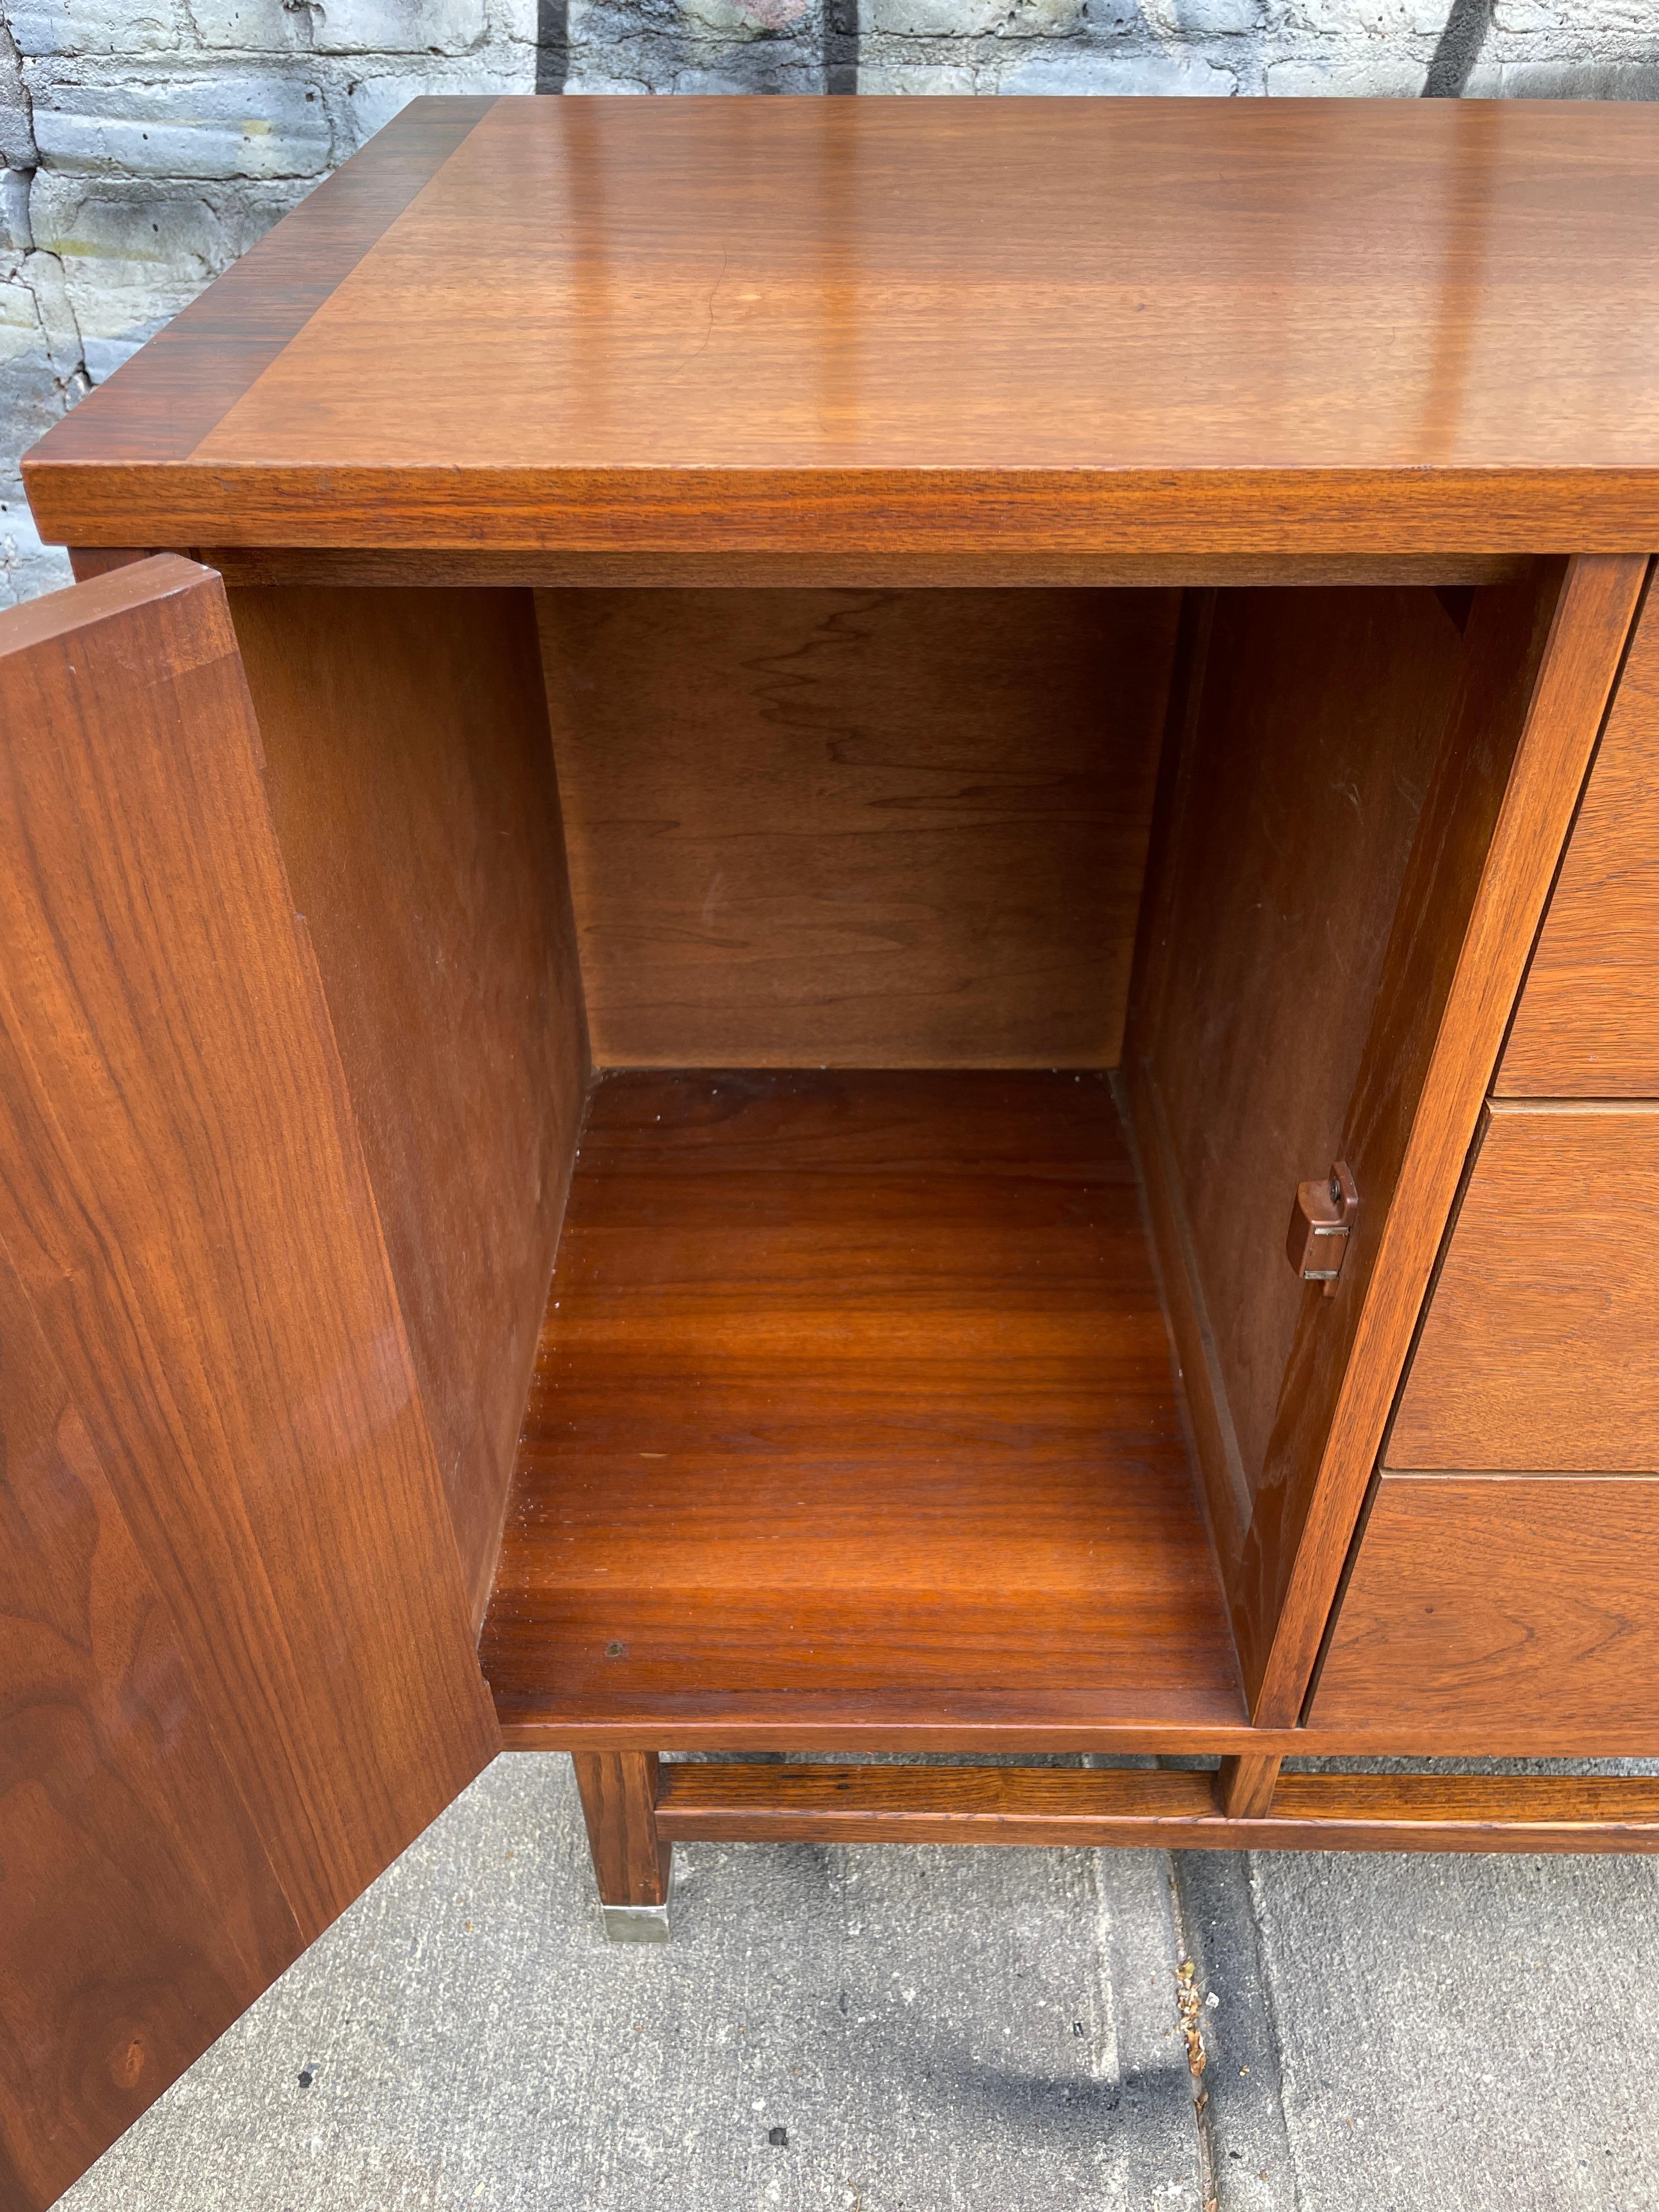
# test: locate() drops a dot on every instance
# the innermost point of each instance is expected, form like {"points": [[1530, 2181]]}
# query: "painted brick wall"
{"points": [[147, 142]]}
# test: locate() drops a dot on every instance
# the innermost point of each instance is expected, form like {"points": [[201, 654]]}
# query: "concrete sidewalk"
{"points": [[909, 2030]]}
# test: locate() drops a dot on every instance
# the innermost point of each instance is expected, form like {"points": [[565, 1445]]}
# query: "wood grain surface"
{"points": [[1501, 1599], [1537, 1349], [138, 1913], [1588, 1022], [618, 1790], [1244, 1787], [846, 1804], [857, 828], [1540, 666], [854, 1407], [1295, 784], [412, 787], [185, 1199], [1264, 326]]}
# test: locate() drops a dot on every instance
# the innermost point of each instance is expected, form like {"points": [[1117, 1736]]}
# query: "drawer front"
{"points": [[1525, 1601], [1588, 1022], [1541, 1348]]}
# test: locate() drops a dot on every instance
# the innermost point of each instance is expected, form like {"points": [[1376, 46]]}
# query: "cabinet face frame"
{"points": [[1546, 645]]}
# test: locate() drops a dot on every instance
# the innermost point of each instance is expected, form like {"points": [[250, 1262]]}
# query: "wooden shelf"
{"points": [[854, 1422]]}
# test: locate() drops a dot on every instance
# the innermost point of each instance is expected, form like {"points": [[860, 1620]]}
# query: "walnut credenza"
{"points": [[830, 927]]}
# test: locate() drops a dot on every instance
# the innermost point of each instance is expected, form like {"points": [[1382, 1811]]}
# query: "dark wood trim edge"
{"points": [[211, 354], [853, 571]]}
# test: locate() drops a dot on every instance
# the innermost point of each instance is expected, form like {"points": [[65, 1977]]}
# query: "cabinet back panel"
{"points": [[857, 828]]}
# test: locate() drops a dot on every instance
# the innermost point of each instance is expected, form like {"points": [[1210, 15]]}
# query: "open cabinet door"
{"points": [[237, 1674]]}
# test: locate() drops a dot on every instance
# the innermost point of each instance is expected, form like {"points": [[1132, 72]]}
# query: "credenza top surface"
{"points": [[1151, 324]]}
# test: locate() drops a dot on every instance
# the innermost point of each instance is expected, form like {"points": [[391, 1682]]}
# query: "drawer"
{"points": [[1541, 1348], [1530, 1600], [1586, 1025]]}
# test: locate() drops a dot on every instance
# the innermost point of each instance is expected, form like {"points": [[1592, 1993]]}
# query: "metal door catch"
{"points": [[1321, 1221]]}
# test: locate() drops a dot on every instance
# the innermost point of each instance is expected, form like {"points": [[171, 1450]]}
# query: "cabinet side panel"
{"points": [[857, 828], [138, 1913], [412, 782], [184, 1199], [1295, 770], [1298, 800]]}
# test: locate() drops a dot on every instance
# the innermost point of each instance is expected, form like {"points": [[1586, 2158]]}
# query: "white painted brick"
{"points": [[132, 258], [1377, 74], [1341, 25], [1099, 69], [16, 136], [932, 19], [916, 77], [44, 273], [513, 20], [372, 98], [1050, 19], [19, 323], [240, 123], [133, 255], [26, 567], [744, 19], [597, 73], [1582, 78], [130, 241], [178, 234], [1607, 19], [16, 230], [753, 69], [35, 388], [342, 27], [1185, 21], [128, 27]]}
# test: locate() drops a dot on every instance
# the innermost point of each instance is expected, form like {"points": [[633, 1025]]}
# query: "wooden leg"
{"points": [[1245, 1787], [633, 1866]]}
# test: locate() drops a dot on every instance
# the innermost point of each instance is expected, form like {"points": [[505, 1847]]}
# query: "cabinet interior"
{"points": [[907, 1015]]}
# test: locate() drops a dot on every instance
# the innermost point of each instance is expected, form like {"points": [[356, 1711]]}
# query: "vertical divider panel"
{"points": [[1296, 769], [1492, 828], [1373, 791]]}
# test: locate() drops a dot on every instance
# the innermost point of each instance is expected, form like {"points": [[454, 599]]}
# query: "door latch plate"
{"points": [[1322, 1223]]}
